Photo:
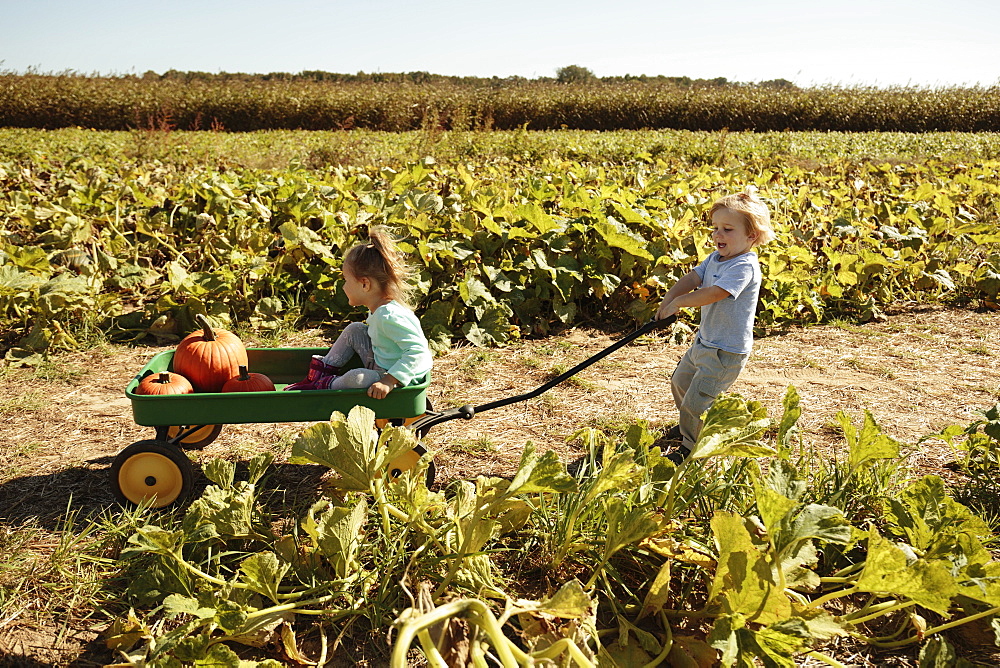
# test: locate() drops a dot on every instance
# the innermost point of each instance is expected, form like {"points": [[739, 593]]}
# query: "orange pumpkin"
{"points": [[210, 357], [164, 383], [248, 382]]}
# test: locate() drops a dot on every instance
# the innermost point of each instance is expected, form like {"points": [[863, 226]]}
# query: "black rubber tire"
{"points": [[151, 465]]}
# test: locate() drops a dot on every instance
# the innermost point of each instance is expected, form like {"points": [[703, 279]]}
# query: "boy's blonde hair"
{"points": [[752, 209], [381, 261]]}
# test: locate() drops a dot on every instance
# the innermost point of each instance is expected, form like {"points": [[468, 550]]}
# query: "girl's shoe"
{"points": [[318, 384], [319, 371]]}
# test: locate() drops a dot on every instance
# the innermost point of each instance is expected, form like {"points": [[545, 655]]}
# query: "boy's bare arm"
{"points": [[690, 281], [701, 297]]}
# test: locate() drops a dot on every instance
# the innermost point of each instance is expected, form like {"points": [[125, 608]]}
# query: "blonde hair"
{"points": [[752, 209], [381, 261]]}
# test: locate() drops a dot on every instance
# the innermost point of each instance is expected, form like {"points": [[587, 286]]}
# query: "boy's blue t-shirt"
{"points": [[728, 323], [399, 343]]}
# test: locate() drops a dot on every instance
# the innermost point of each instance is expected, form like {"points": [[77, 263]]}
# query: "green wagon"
{"points": [[159, 468]]}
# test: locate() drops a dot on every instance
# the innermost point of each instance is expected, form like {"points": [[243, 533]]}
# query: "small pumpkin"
{"points": [[164, 383], [210, 357], [248, 382]]}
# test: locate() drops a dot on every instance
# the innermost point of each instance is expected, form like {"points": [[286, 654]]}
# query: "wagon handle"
{"points": [[468, 412]]}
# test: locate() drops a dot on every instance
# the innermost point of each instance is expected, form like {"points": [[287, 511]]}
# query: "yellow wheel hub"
{"points": [[201, 436], [404, 462], [149, 474]]}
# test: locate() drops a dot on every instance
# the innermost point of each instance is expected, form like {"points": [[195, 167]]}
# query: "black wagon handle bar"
{"points": [[468, 412]]}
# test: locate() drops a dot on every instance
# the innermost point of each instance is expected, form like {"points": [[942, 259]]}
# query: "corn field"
{"points": [[121, 103]]}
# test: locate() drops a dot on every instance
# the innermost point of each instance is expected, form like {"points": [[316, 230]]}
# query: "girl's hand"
{"points": [[379, 389]]}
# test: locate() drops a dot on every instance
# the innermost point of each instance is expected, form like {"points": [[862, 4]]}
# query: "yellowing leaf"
{"points": [[889, 571], [744, 581]]}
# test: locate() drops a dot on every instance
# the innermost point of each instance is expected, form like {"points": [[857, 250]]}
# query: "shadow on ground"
{"points": [[43, 500]]}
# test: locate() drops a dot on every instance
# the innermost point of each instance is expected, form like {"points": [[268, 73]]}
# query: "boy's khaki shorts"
{"points": [[702, 374]]}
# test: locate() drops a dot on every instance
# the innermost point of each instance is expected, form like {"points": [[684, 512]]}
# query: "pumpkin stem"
{"points": [[164, 378], [244, 375], [206, 326]]}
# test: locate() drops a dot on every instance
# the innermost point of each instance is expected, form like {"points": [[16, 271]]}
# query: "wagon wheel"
{"points": [[408, 460], [190, 436], [382, 423], [153, 470]]}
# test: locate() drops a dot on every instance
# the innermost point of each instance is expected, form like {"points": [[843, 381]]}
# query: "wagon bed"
{"points": [[283, 366]]}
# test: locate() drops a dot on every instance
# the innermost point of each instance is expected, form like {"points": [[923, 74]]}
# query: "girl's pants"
{"points": [[702, 374], [354, 340]]}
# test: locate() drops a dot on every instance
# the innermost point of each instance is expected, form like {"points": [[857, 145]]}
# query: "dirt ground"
{"points": [[917, 372]]}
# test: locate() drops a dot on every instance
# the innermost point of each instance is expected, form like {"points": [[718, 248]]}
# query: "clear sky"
{"points": [[846, 42]]}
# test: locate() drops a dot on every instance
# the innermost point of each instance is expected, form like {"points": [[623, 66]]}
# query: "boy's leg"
{"points": [[716, 371], [354, 339]]}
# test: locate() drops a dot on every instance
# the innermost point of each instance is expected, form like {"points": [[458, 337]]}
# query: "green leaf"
{"points": [[617, 235], [777, 644], [221, 471], [784, 479], [545, 474], [789, 419], [352, 447], [824, 523], [473, 291], [337, 533], [725, 636], [647, 641], [299, 236], [820, 624], [628, 214], [262, 572], [744, 579], [175, 604], [891, 571], [731, 427], [156, 540], [626, 525], [229, 511], [570, 601], [771, 505], [534, 214], [615, 655], [870, 444], [493, 327], [192, 648], [690, 652], [219, 656], [797, 563], [258, 466], [619, 472], [938, 653], [658, 593], [230, 616], [927, 516]]}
